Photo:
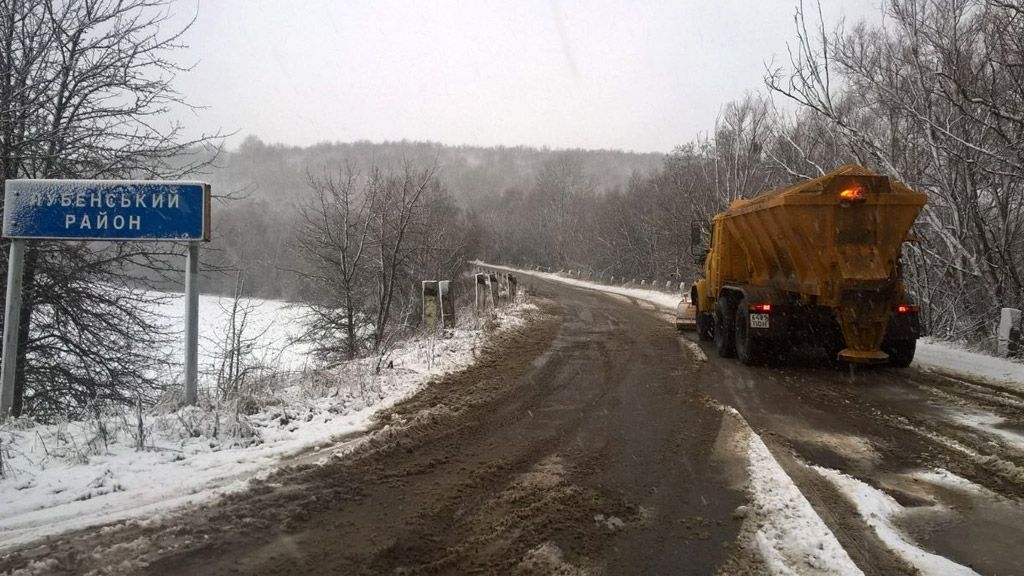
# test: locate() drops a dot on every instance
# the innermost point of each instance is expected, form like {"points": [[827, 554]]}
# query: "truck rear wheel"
{"points": [[750, 350], [901, 352], [725, 344]]}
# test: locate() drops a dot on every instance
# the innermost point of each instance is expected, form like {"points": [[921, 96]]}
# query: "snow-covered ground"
{"points": [[666, 300], [72, 475], [945, 357]]}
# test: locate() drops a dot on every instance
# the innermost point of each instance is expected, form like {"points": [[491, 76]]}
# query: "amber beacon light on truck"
{"points": [[815, 264], [854, 194]]}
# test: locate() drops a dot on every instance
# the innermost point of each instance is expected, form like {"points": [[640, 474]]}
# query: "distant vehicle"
{"points": [[815, 263]]}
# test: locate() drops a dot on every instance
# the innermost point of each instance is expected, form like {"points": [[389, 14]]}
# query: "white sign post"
{"points": [[192, 324], [103, 210], [12, 320]]}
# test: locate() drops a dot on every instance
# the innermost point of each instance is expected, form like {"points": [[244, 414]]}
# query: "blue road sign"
{"points": [[107, 210]]}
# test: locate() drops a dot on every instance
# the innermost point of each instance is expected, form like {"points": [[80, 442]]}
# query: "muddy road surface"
{"points": [[595, 442], [948, 451], [580, 445]]}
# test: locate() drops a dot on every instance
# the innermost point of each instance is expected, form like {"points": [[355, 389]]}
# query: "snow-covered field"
{"points": [[72, 475], [276, 323]]}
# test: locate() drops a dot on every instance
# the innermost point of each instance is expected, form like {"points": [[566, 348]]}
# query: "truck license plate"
{"points": [[758, 320]]}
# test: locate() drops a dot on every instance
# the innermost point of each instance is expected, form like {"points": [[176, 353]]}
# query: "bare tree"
{"points": [[396, 222], [239, 369], [84, 88], [334, 240]]}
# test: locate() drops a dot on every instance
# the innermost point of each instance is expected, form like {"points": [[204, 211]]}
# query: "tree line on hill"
{"points": [[273, 184]]}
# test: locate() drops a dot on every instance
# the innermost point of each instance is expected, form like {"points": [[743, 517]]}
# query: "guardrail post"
{"points": [[444, 291], [1009, 342], [431, 300], [481, 292], [495, 289]]}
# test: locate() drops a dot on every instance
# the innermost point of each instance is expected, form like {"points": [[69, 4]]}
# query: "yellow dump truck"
{"points": [[816, 263]]}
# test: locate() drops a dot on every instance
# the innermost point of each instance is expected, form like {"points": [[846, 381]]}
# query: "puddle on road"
{"points": [[935, 406], [832, 449], [937, 511], [970, 524], [882, 513]]}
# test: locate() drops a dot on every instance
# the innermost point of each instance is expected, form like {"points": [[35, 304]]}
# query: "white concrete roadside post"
{"points": [[431, 302], [494, 290], [1009, 329], [444, 292]]}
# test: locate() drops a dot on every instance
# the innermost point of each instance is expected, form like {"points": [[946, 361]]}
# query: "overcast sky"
{"points": [[643, 76]]}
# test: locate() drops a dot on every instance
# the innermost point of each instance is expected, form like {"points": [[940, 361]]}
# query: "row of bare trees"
{"points": [[640, 230]]}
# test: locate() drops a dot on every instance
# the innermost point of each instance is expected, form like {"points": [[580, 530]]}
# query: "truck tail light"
{"points": [[762, 307], [908, 309]]}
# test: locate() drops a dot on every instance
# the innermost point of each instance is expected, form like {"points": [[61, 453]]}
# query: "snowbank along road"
{"points": [[598, 441]]}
